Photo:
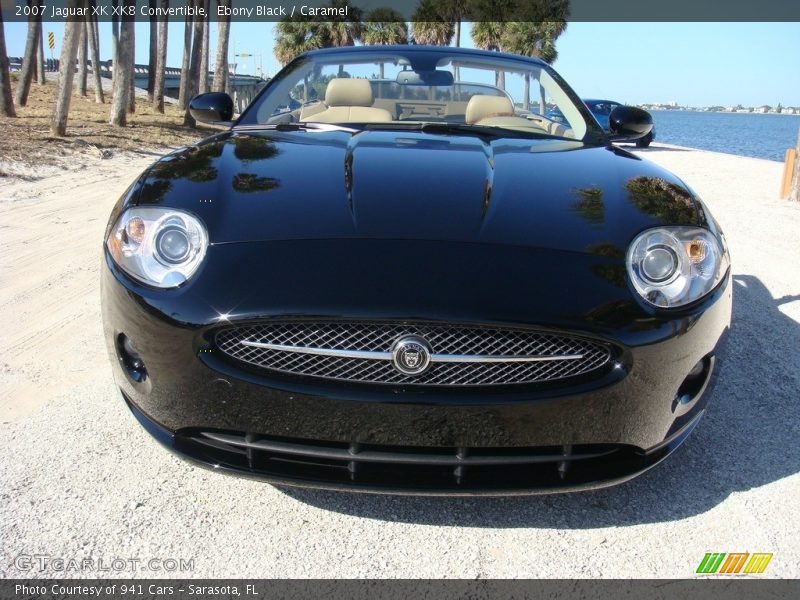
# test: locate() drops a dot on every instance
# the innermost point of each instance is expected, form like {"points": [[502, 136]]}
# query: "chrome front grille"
{"points": [[459, 355]]}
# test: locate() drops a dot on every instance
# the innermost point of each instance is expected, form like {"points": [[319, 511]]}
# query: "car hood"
{"points": [[265, 185]]}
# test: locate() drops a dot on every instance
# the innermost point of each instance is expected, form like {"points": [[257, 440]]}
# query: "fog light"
{"points": [[131, 359], [693, 386]]}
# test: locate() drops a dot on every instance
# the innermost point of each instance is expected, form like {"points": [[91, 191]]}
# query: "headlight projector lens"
{"points": [[659, 264], [173, 244]]}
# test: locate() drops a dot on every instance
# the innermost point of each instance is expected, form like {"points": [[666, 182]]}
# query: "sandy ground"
{"points": [[79, 477], [30, 152]]}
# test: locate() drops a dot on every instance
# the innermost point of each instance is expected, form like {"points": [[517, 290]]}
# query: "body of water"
{"points": [[745, 134]]}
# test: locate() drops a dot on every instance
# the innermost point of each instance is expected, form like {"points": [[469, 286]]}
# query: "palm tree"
{"points": [[83, 58], [69, 50], [132, 60], [534, 39], [114, 42], [202, 83], [94, 49], [6, 101], [161, 61], [183, 101], [429, 26], [29, 60], [488, 35], [293, 36], [384, 27], [455, 11], [40, 77], [221, 64], [153, 52], [123, 70], [194, 65], [342, 32]]}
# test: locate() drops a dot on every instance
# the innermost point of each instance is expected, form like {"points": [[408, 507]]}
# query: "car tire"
{"points": [[645, 141]]}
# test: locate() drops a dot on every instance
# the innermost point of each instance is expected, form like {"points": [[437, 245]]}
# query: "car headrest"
{"points": [[348, 92], [482, 107]]}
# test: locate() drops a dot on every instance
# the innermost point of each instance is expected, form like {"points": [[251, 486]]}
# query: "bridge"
{"points": [[243, 87]]}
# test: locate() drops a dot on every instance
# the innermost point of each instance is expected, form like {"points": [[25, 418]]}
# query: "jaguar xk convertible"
{"points": [[393, 273]]}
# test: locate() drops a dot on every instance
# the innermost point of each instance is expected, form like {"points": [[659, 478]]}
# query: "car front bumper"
{"points": [[498, 440]]}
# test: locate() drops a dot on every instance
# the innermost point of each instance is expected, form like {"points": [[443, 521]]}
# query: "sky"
{"points": [[694, 64]]}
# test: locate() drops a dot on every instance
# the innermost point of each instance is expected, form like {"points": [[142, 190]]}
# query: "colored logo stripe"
{"points": [[758, 562], [713, 562], [734, 562]]}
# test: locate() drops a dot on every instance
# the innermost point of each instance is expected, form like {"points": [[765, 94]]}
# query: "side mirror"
{"points": [[213, 107], [629, 123]]}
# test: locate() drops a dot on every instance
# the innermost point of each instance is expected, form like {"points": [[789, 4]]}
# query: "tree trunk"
{"points": [[194, 66], [124, 71], [83, 58], [114, 43], [29, 60], [526, 101], [187, 54], [69, 50], [153, 52], [221, 64], [6, 100], [94, 50], [132, 61], [161, 62], [542, 101], [40, 57], [458, 33], [794, 190], [202, 86]]}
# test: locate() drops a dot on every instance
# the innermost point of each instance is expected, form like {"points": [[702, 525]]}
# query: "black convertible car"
{"points": [[416, 289]]}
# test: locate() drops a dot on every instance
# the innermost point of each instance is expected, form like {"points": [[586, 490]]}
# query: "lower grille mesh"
{"points": [[461, 355], [410, 467]]}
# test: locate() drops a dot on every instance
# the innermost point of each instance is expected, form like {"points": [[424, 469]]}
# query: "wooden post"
{"points": [[794, 192]]}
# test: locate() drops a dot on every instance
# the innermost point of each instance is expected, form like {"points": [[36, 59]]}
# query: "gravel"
{"points": [[80, 479]]}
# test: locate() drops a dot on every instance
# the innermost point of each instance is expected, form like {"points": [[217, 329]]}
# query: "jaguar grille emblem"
{"points": [[411, 355]]}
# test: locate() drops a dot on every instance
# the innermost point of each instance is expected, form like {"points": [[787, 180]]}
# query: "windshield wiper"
{"points": [[300, 126], [446, 128]]}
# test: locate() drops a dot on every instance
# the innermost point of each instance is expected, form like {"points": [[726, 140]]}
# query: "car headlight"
{"points": [[162, 247], [673, 266]]}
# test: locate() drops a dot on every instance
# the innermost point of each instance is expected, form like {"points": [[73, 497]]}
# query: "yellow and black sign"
{"points": [[51, 40]]}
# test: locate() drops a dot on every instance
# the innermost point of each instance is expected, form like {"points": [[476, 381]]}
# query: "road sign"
{"points": [[51, 40]]}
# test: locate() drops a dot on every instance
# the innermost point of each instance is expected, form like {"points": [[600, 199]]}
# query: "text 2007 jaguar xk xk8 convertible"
{"points": [[415, 282]]}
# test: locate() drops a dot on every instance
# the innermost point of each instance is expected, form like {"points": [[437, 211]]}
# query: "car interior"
{"points": [[353, 101]]}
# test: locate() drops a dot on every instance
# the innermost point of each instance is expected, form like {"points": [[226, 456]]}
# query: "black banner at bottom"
{"points": [[399, 589]]}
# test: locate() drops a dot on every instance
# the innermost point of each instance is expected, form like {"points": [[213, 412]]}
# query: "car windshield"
{"points": [[413, 87]]}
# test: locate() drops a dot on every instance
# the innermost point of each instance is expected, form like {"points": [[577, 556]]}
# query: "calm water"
{"points": [[746, 134]]}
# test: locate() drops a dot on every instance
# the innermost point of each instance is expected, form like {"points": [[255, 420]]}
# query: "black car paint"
{"points": [[444, 188], [403, 225]]}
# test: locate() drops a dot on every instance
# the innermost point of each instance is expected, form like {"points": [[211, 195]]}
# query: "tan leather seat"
{"points": [[485, 107], [498, 111], [349, 101]]}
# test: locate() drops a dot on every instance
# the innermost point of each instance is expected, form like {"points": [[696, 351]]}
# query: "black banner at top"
{"points": [[408, 10]]}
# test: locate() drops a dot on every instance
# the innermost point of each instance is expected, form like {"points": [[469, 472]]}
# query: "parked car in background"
{"points": [[601, 110], [415, 289]]}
